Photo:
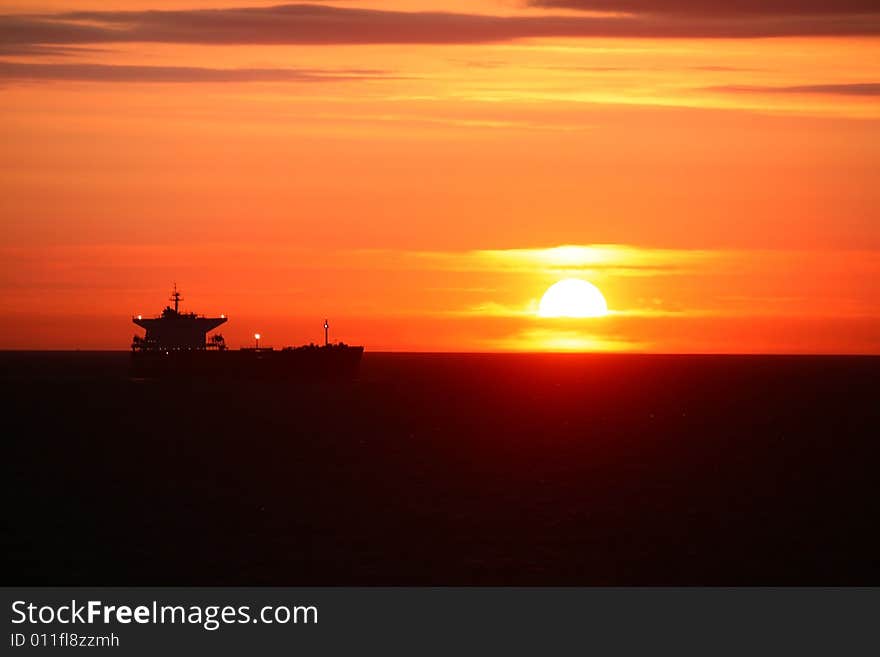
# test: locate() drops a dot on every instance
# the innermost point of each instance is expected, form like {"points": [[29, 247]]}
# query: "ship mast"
{"points": [[176, 298]]}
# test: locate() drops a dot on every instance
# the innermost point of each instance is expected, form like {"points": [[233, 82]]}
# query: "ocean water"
{"points": [[446, 469]]}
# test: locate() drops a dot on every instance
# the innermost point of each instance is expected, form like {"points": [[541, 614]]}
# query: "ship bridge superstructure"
{"points": [[178, 331]]}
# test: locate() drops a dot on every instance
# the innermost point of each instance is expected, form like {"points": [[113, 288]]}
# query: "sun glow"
{"points": [[572, 297]]}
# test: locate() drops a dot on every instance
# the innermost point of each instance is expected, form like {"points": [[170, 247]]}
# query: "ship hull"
{"points": [[293, 364]]}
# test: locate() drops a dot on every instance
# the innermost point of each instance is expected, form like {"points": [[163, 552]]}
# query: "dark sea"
{"points": [[446, 469]]}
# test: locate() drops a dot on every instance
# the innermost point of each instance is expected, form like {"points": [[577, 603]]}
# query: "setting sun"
{"points": [[572, 297]]}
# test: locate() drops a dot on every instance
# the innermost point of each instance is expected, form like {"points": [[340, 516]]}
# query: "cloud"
{"points": [[726, 69], [325, 25], [848, 89], [556, 339], [717, 7], [113, 73], [620, 259], [37, 50]]}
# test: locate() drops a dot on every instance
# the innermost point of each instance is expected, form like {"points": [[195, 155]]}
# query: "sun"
{"points": [[572, 297]]}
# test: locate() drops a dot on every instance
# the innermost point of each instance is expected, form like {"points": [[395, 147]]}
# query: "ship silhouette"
{"points": [[176, 345]]}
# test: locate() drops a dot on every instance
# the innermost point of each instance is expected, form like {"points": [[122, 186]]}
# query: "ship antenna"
{"points": [[176, 298], [326, 336]]}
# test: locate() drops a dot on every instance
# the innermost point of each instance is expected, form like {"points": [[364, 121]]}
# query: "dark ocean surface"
{"points": [[446, 469]]}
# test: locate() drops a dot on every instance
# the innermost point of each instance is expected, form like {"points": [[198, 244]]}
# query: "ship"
{"points": [[176, 345]]}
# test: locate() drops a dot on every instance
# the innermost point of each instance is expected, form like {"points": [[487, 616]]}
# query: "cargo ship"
{"points": [[176, 344]]}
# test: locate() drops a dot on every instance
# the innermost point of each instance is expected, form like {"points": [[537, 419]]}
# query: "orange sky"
{"points": [[421, 173]]}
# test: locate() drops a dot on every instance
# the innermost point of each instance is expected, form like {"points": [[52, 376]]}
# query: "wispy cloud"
{"points": [[718, 7], [325, 25], [846, 89], [556, 339], [621, 259], [120, 73], [39, 50]]}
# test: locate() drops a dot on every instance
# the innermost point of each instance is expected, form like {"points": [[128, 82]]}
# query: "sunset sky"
{"points": [[421, 172]]}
